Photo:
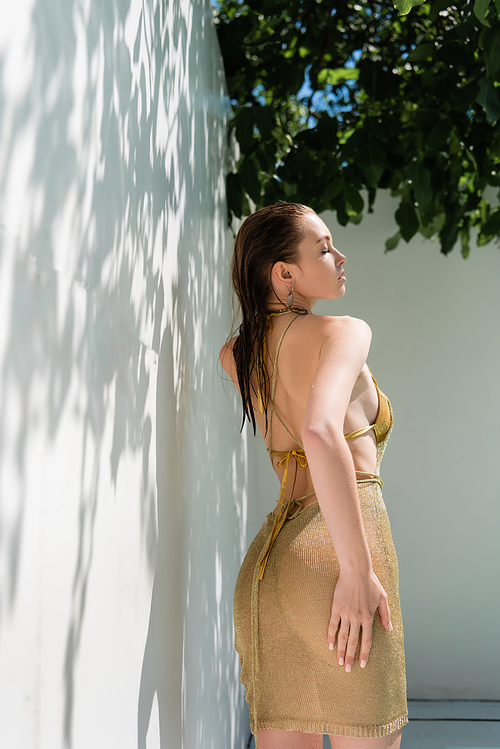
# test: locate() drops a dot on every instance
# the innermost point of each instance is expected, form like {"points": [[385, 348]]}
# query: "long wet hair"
{"points": [[268, 236]]}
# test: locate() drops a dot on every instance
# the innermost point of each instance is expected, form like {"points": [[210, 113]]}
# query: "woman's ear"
{"points": [[281, 274]]}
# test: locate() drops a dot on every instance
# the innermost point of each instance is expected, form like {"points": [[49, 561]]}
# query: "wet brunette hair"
{"points": [[268, 236]]}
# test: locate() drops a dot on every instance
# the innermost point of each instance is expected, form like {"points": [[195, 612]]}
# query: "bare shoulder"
{"points": [[343, 323], [337, 331], [226, 358]]}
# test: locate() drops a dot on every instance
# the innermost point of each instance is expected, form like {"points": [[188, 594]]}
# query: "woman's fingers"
{"points": [[385, 613], [345, 633], [352, 644], [366, 642], [332, 630], [342, 640], [351, 625]]}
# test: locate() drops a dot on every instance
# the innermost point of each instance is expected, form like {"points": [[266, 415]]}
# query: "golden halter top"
{"points": [[381, 426]]}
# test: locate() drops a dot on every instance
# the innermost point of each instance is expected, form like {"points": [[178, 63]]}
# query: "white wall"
{"points": [[122, 501], [436, 354]]}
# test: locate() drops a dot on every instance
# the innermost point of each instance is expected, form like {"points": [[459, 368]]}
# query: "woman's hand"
{"points": [[355, 601]]}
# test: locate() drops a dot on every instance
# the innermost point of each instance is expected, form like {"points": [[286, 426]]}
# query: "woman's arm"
{"points": [[358, 593]]}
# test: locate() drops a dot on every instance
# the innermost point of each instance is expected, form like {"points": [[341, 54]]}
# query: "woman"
{"points": [[317, 620]]}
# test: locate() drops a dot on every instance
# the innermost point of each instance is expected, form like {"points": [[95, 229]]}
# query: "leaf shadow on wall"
{"points": [[120, 169], [201, 457], [78, 346]]}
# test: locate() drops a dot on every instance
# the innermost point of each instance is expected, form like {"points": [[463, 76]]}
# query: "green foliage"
{"points": [[404, 6], [402, 96]]}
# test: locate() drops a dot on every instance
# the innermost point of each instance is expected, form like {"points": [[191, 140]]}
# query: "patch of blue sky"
{"points": [[330, 100], [258, 93]]}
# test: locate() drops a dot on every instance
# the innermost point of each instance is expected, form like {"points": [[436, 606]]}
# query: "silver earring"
{"points": [[289, 298]]}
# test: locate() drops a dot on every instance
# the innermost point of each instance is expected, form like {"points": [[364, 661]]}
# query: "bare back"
{"points": [[296, 370]]}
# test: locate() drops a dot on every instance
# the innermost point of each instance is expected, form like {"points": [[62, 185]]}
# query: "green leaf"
{"points": [[491, 54], [492, 225], [422, 188], [327, 133], [249, 174], [333, 188], [437, 7], [488, 98], [237, 202], [353, 198], [281, 137], [355, 218], [439, 135], [370, 157], [266, 157], [244, 128], [372, 172], [455, 169], [376, 128], [449, 233], [290, 50], [434, 226], [337, 76], [407, 219], [422, 52], [481, 11], [342, 217], [404, 6], [373, 78], [464, 237], [455, 144], [463, 98], [265, 121], [392, 242]]}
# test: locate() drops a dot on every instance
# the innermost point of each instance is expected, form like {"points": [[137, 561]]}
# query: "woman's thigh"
{"points": [[272, 739], [385, 742]]}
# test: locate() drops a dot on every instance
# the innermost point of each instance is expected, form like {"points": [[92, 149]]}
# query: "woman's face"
{"points": [[319, 266]]}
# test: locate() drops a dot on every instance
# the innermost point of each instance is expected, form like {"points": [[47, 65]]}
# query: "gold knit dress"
{"points": [[282, 608]]}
